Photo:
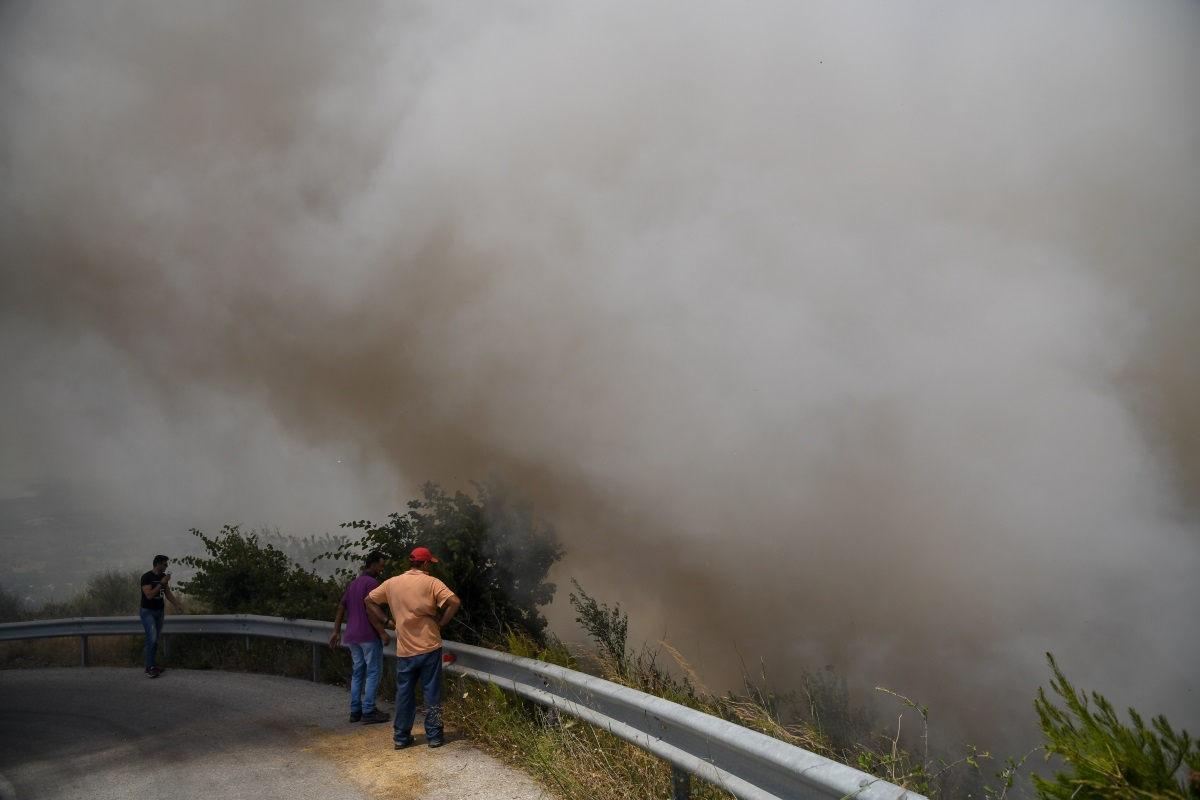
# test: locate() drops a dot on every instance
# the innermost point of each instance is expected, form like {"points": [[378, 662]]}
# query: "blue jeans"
{"points": [[427, 668], [367, 658], [152, 622]]}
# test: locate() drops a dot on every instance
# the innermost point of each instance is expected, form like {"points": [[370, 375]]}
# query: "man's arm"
{"points": [[375, 613], [171, 597], [448, 611], [152, 590], [336, 639], [378, 626]]}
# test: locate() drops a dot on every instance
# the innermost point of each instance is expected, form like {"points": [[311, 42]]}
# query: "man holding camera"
{"points": [[155, 584]]}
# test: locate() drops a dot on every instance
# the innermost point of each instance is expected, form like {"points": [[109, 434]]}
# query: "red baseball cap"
{"points": [[421, 554]]}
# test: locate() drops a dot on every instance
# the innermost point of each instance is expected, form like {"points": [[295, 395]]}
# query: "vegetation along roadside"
{"points": [[498, 554]]}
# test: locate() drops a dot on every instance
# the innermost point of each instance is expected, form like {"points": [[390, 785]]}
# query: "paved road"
{"points": [[105, 732]]}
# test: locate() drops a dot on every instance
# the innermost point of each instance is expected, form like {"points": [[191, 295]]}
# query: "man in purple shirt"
{"points": [[366, 639]]}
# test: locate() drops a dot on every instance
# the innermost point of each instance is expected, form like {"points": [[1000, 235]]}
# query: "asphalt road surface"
{"points": [[105, 732]]}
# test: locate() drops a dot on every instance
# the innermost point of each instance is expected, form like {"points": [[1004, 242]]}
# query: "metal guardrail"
{"points": [[747, 764]]}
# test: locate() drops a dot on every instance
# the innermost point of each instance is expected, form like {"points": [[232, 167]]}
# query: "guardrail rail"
{"points": [[747, 764]]}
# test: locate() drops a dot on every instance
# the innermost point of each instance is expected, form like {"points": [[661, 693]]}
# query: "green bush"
{"points": [[608, 627], [1107, 759], [243, 576], [493, 552]]}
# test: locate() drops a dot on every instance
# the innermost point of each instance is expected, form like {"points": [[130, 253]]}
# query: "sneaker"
{"points": [[355, 716], [152, 673], [407, 743], [437, 742], [371, 717]]}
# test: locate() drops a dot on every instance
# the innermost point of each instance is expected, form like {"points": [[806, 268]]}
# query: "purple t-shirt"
{"points": [[358, 627]]}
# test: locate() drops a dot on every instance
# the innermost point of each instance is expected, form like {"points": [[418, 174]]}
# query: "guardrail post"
{"points": [[166, 647], [316, 662], [681, 784], [83, 651]]}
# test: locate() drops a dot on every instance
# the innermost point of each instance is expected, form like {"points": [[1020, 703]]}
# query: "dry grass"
{"points": [[580, 761], [103, 651], [574, 759], [362, 755]]}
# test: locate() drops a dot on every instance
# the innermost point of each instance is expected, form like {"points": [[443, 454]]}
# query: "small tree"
{"points": [[607, 625], [242, 576], [1109, 760], [493, 552]]}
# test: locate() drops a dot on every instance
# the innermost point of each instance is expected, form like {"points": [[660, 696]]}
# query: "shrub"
{"points": [[11, 607], [109, 593], [243, 576], [494, 553], [1109, 760], [608, 627]]}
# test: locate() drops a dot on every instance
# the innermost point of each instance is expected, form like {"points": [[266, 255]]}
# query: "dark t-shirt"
{"points": [[157, 604]]}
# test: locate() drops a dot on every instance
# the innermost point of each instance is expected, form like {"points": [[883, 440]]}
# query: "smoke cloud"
{"points": [[823, 336]]}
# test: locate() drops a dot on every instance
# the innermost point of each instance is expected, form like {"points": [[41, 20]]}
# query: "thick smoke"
{"points": [[823, 336]]}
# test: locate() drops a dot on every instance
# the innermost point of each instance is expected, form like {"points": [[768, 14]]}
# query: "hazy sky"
{"points": [[824, 333]]}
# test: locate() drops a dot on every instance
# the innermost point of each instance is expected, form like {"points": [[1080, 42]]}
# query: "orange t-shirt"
{"points": [[414, 599]]}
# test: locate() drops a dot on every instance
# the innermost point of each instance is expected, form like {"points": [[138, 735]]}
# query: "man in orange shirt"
{"points": [[421, 606]]}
